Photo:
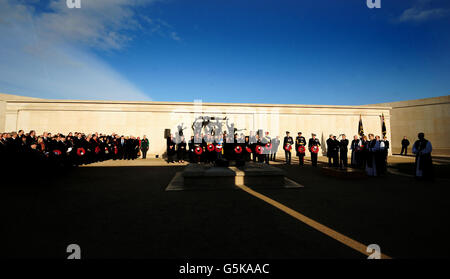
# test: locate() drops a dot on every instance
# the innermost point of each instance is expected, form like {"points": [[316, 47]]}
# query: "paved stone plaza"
{"points": [[120, 209]]}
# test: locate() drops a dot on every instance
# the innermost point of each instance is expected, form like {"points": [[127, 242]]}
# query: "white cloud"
{"points": [[49, 54], [420, 13], [99, 23], [175, 36]]}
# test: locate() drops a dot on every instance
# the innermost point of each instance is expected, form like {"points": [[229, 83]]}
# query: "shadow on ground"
{"points": [[124, 212]]}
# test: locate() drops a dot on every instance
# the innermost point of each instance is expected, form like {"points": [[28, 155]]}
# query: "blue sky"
{"points": [[294, 52]]}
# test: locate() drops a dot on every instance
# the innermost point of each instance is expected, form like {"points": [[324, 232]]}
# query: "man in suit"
{"points": [[287, 145], [405, 144], [144, 146], [335, 152], [343, 150], [122, 147], [31, 139], [384, 150], [330, 149]]}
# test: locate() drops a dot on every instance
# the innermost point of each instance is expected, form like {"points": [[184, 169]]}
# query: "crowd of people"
{"points": [[32, 151], [369, 153], [21, 150], [260, 147]]}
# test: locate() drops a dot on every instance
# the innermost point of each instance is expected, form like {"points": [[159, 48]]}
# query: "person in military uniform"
{"points": [[247, 146], [253, 140], [259, 142], [198, 142], [300, 141], [287, 142], [313, 141], [343, 150], [210, 156]]}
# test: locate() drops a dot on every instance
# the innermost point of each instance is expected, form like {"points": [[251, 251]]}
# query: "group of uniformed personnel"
{"points": [[370, 154], [301, 147], [208, 148], [256, 147]]}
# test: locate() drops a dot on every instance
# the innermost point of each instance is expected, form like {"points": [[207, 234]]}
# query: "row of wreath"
{"points": [[80, 151], [259, 149], [199, 150]]}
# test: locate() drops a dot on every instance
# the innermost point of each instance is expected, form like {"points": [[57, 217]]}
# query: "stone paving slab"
{"points": [[203, 178]]}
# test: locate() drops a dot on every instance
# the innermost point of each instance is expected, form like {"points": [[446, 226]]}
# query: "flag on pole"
{"points": [[383, 125], [360, 127]]}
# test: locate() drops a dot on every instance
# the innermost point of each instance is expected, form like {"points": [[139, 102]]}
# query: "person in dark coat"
{"points": [[144, 146], [405, 144], [343, 150], [330, 150], [335, 152], [181, 150], [191, 149], [253, 140], [356, 149], [171, 151], [364, 146], [384, 149]]}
